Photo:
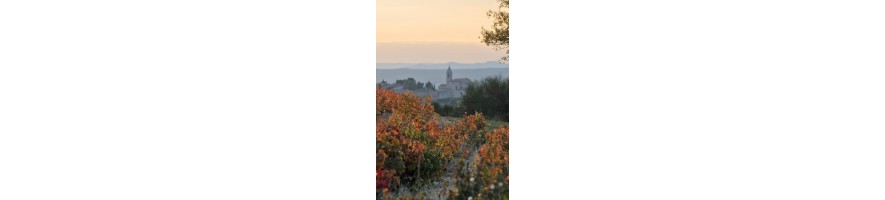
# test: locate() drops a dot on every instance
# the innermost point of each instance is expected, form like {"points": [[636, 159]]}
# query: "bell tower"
{"points": [[449, 75]]}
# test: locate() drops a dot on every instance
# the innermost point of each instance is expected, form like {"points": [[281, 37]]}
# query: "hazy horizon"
{"points": [[435, 52], [438, 76], [442, 65]]}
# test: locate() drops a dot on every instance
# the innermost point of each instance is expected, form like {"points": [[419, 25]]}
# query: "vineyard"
{"points": [[420, 156]]}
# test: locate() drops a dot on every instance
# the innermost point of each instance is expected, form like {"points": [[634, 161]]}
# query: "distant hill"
{"points": [[489, 64], [438, 76]]}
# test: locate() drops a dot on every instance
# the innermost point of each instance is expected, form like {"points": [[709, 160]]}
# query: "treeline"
{"points": [[489, 96], [411, 84]]}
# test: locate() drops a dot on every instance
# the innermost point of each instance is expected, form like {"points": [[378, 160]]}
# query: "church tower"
{"points": [[449, 75]]}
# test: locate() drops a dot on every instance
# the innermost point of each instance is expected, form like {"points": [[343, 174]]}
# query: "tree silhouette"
{"points": [[498, 35]]}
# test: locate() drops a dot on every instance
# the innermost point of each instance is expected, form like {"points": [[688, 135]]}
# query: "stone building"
{"points": [[453, 88]]}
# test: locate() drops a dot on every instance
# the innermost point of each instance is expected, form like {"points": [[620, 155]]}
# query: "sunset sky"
{"points": [[433, 31]]}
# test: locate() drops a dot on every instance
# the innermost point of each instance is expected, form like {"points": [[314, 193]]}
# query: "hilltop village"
{"points": [[453, 88]]}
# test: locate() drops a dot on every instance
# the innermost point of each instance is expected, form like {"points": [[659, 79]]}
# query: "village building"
{"points": [[453, 88]]}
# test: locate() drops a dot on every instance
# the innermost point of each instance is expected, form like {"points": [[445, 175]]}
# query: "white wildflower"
{"points": [[469, 198], [492, 186], [500, 184], [471, 179]]}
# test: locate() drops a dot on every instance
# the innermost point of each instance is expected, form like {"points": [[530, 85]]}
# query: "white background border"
{"points": [[611, 100]]}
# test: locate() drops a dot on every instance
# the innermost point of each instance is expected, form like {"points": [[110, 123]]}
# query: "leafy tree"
{"points": [[499, 34], [429, 86], [489, 96], [409, 83]]}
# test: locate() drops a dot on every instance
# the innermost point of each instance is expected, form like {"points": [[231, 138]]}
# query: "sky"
{"points": [[433, 31]]}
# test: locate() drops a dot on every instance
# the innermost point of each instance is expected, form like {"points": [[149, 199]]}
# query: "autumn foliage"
{"points": [[411, 145], [414, 145], [485, 175]]}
